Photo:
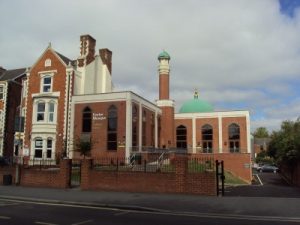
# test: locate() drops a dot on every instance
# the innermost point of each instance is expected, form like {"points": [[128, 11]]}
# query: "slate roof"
{"points": [[65, 59], [12, 74]]}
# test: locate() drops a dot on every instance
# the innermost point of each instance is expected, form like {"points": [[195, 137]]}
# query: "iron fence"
{"points": [[134, 163], [202, 164]]}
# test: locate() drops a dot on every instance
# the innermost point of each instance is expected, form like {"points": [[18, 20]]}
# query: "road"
{"points": [[17, 212], [272, 185]]}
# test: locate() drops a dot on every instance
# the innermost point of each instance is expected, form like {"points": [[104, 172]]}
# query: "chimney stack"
{"points": [[106, 56], [87, 50]]}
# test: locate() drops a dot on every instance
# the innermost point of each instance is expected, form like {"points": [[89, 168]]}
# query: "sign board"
{"points": [[98, 116], [25, 151]]}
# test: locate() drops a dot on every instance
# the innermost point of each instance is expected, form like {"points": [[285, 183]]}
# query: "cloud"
{"points": [[236, 52]]}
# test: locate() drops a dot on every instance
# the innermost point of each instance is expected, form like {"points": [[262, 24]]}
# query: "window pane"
{"points": [[51, 107], [87, 120], [40, 117], [49, 143], [41, 107], [51, 115], [47, 80], [38, 153], [39, 143]]}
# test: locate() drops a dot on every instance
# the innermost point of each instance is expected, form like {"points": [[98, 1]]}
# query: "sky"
{"points": [[239, 54]]}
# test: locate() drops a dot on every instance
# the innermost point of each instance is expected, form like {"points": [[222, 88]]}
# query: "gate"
{"points": [[75, 173], [220, 177]]}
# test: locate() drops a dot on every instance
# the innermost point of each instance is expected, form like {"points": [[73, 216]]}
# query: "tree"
{"points": [[84, 147], [261, 132], [285, 143]]}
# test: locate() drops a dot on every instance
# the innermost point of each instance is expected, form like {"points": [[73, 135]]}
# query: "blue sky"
{"points": [[239, 54]]}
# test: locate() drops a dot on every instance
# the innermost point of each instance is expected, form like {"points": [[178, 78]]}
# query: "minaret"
{"points": [[167, 132]]}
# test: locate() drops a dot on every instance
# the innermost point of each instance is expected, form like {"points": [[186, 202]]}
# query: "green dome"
{"points": [[164, 55], [195, 106]]}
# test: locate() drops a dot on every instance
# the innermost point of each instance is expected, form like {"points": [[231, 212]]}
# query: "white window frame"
{"points": [[40, 148], [43, 77], [47, 62], [47, 112], [40, 112], [44, 148]]}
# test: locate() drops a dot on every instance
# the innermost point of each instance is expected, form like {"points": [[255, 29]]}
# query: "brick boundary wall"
{"points": [[291, 175], [51, 177], [179, 181], [7, 170], [239, 164]]}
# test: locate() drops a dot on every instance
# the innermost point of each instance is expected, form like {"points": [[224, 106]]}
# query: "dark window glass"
{"points": [[207, 137], [87, 120], [134, 126], [234, 137], [112, 127], [49, 148], [47, 84], [144, 130], [181, 137], [41, 111], [38, 148], [207, 132]]}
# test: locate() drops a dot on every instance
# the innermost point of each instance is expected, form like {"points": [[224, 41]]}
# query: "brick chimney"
{"points": [[106, 56], [87, 50]]}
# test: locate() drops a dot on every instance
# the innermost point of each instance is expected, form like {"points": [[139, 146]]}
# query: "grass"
{"points": [[230, 179]]}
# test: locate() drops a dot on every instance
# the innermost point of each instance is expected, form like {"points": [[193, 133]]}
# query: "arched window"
{"points": [[207, 138], [49, 148], [112, 128], [38, 148], [134, 126], [40, 116], [152, 130], [234, 137], [181, 137], [87, 120], [144, 129]]}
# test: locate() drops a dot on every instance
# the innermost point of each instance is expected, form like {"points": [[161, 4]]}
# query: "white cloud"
{"points": [[237, 52]]}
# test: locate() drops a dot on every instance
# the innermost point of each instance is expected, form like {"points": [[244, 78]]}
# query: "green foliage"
{"points": [[285, 143], [263, 157], [261, 132], [84, 147]]}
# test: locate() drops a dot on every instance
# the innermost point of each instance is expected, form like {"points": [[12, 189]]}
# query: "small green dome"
{"points": [[195, 106], [164, 55]]}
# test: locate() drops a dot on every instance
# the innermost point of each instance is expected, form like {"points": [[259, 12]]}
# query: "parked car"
{"points": [[268, 168], [3, 161]]}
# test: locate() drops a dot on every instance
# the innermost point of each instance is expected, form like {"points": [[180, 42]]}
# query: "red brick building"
{"points": [[10, 120]]}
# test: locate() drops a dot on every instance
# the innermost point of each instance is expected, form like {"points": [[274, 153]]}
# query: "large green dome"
{"points": [[196, 105]]}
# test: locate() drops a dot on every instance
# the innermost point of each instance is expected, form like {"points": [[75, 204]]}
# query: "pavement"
{"points": [[251, 206]]}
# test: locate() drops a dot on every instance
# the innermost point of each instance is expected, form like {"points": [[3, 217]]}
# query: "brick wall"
{"points": [[236, 163], [7, 170], [51, 177], [179, 181]]}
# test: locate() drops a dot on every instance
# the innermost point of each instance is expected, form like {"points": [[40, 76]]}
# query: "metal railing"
{"points": [[136, 164]]}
